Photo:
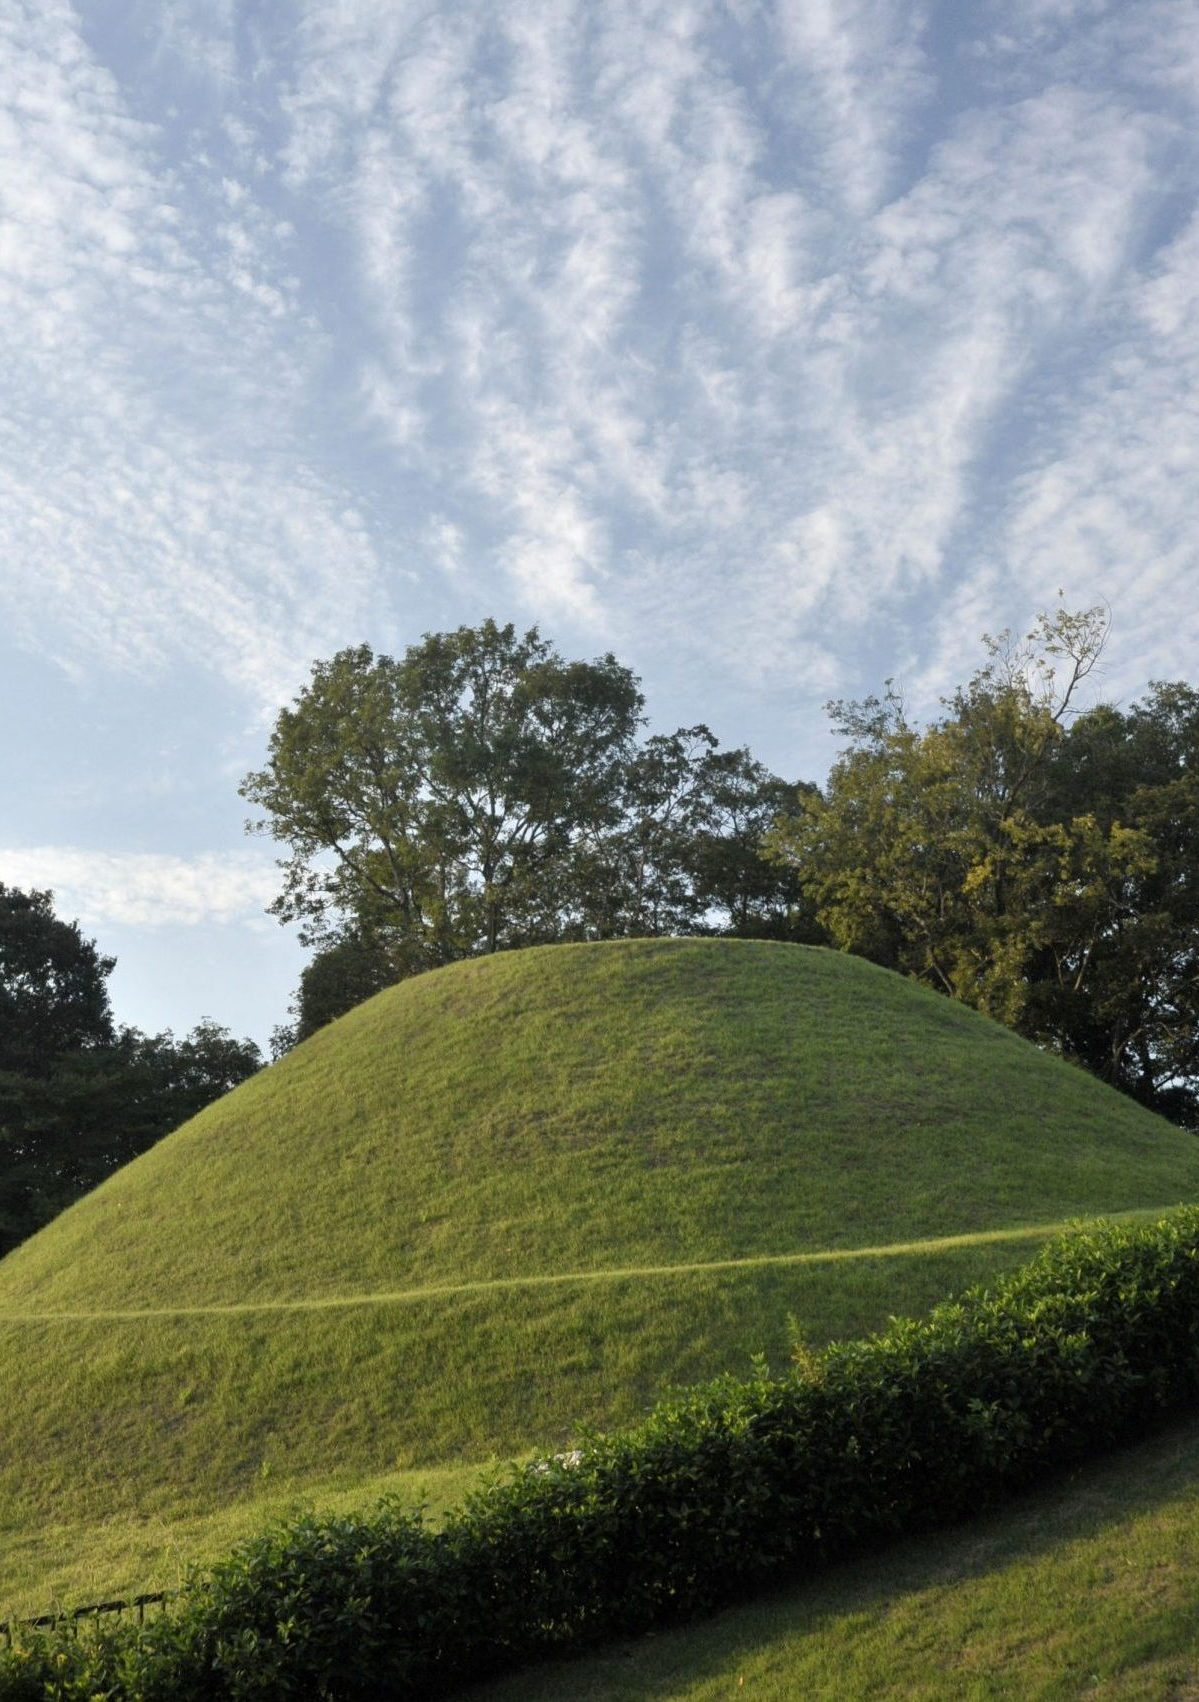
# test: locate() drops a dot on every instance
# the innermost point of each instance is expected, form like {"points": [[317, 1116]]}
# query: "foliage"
{"points": [[161, 1082], [684, 853], [745, 893], [79, 1097], [1038, 865], [347, 968], [715, 1492], [445, 786], [481, 793], [1125, 1000], [53, 986]]}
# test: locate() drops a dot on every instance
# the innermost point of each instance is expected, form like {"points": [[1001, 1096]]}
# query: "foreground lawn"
{"points": [[1088, 1588]]}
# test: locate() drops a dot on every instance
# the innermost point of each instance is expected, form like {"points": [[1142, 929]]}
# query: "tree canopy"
{"points": [[53, 985], [78, 1095], [480, 793], [439, 793], [1034, 861]]}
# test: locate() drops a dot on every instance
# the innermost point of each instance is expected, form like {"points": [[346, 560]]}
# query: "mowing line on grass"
{"points": [[487, 1285]]}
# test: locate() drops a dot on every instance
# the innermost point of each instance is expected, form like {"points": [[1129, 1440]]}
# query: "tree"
{"points": [[159, 1082], [54, 1006], [1129, 1006], [53, 985], [742, 890], [481, 793], [635, 873], [1035, 862], [680, 851], [344, 970], [78, 1096], [436, 798], [928, 850], [687, 855]]}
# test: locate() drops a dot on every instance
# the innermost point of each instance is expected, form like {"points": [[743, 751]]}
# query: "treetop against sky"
{"points": [[775, 349]]}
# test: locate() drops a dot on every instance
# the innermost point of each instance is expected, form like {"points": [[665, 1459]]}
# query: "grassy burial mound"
{"points": [[525, 1193]]}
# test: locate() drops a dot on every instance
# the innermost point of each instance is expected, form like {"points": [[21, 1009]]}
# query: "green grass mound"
{"points": [[526, 1193]]}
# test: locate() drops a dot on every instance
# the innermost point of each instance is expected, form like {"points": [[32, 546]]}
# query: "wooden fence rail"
{"points": [[73, 1616]]}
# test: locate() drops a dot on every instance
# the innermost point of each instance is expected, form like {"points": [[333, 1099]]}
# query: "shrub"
{"points": [[717, 1490]]}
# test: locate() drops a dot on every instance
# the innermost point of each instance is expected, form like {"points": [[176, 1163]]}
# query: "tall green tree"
{"points": [[346, 968], [53, 985], [55, 1027], [635, 874], [687, 854], [742, 890], [438, 796], [479, 792], [1127, 1005], [1005, 854], [929, 850], [78, 1095]]}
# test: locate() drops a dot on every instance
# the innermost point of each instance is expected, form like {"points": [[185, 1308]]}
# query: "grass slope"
{"points": [[340, 1270], [585, 1107], [1084, 1589]]}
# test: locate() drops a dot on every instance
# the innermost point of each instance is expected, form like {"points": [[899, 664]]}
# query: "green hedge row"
{"points": [[716, 1491]]}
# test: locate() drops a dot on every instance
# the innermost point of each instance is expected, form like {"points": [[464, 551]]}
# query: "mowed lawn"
{"points": [[69, 1560], [578, 1108], [485, 1376], [509, 1200]]}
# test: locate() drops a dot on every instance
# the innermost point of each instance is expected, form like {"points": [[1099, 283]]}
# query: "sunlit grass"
{"points": [[575, 1108], [201, 1414], [65, 1562], [512, 1199]]}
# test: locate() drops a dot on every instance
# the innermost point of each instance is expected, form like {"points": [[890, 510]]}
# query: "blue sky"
{"points": [[777, 348]]}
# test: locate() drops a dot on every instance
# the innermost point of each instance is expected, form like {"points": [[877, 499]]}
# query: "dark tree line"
{"points": [[80, 1096]]}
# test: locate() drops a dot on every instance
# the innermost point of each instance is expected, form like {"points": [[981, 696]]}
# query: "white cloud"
{"points": [[718, 329], [1105, 508], [785, 324], [199, 35], [446, 543], [864, 68], [143, 889], [156, 500]]}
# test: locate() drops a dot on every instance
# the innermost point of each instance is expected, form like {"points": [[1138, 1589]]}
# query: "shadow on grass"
{"points": [[841, 1632]]}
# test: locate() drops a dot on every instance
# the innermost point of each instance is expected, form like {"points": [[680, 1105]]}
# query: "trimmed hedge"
{"points": [[715, 1492]]}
